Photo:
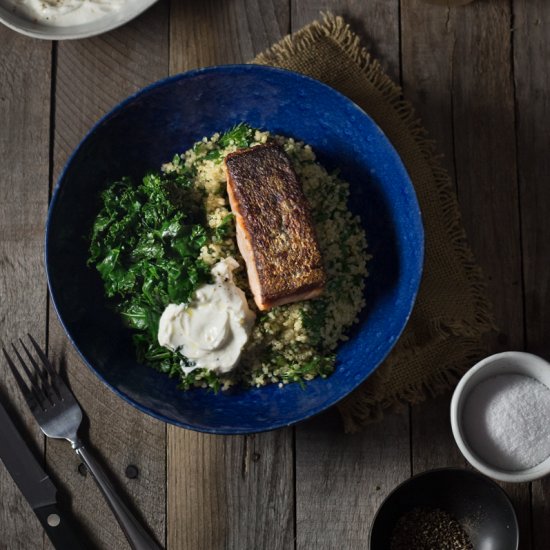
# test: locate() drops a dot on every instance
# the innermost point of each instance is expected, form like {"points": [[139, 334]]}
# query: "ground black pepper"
{"points": [[429, 529]]}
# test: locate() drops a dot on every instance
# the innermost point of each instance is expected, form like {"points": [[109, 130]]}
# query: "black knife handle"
{"points": [[59, 529]]}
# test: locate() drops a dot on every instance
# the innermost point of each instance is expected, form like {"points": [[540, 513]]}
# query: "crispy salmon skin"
{"points": [[275, 231]]}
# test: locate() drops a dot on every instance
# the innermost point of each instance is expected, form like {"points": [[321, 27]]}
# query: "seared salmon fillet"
{"points": [[275, 232]]}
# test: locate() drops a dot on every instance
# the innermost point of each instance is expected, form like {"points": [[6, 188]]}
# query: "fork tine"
{"points": [[30, 376], [49, 368], [30, 395], [37, 369], [40, 391], [43, 358]]}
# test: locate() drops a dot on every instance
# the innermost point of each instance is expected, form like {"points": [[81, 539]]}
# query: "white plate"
{"points": [[36, 29]]}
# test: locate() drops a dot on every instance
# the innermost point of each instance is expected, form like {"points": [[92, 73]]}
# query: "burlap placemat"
{"points": [[444, 335]]}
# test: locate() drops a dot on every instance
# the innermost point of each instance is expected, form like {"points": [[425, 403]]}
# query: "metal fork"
{"points": [[59, 415]]}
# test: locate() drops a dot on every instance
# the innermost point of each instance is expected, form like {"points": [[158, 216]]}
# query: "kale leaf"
{"points": [[145, 244]]}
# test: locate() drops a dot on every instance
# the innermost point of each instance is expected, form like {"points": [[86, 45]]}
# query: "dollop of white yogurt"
{"points": [[67, 12], [213, 328]]}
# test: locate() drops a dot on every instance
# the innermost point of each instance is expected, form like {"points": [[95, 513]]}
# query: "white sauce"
{"points": [[212, 329], [67, 12]]}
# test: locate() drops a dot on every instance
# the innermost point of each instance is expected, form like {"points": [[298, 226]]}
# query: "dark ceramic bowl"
{"points": [[479, 505], [167, 117]]}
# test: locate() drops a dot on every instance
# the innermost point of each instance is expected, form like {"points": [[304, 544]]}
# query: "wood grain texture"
{"points": [[210, 32], [376, 21], [432, 442], [427, 45], [92, 76], [341, 480], [25, 69], [427, 83], [456, 66], [532, 81], [485, 159], [230, 492], [486, 171], [427, 42], [457, 72]]}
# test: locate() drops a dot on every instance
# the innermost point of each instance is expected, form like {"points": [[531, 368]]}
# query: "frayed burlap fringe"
{"points": [[465, 332], [358, 410], [369, 408]]}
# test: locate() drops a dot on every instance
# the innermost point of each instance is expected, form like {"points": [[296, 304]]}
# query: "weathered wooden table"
{"points": [[480, 79]]}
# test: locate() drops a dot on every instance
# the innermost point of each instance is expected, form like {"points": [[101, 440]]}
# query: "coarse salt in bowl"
{"points": [[499, 416]]}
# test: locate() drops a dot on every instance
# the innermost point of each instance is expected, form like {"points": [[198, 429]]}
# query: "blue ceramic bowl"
{"points": [[167, 117]]}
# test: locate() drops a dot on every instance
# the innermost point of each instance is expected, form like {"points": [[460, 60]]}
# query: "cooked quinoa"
{"points": [[294, 342]]}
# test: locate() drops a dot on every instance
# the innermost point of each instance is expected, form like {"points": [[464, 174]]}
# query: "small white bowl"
{"points": [[510, 362], [37, 29]]}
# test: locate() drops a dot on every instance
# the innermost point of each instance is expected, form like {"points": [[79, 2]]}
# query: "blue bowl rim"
{"points": [[181, 77], [451, 470]]}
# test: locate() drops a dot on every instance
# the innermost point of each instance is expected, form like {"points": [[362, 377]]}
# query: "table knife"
{"points": [[36, 486]]}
